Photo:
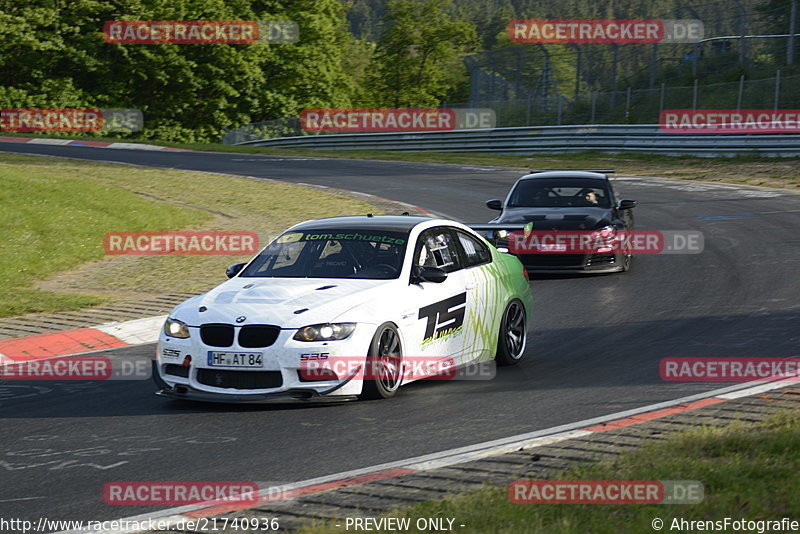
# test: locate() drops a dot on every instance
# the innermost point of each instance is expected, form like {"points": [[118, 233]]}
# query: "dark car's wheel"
{"points": [[384, 366], [513, 334], [627, 260]]}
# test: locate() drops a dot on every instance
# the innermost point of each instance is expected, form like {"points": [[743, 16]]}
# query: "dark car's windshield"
{"points": [[560, 193], [344, 253]]}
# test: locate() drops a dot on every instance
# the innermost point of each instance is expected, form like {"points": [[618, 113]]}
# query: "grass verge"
{"points": [[749, 471], [56, 212]]}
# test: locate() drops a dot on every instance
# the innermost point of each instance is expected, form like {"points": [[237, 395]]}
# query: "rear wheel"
{"points": [[513, 334], [384, 366]]}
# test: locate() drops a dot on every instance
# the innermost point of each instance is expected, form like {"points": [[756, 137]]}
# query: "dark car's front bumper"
{"points": [[572, 263]]}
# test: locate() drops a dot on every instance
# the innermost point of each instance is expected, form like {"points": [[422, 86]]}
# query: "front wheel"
{"points": [[513, 335], [383, 370]]}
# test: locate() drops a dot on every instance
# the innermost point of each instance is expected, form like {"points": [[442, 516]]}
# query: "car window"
{"points": [[475, 251], [560, 193], [346, 253], [437, 247]]}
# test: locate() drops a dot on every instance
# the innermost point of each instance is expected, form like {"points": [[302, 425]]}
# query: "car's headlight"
{"points": [[176, 328], [605, 239], [325, 332], [606, 231]]}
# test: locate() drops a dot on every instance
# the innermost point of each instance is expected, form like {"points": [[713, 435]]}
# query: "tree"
{"points": [[52, 54], [417, 61]]}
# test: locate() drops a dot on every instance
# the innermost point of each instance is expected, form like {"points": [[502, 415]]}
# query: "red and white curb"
{"points": [[81, 340], [81, 142], [176, 516]]}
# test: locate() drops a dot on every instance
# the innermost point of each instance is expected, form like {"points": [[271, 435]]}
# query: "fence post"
{"points": [[559, 111], [528, 114], [615, 53], [594, 100], [628, 104], [777, 88], [742, 30], [661, 98], [694, 95], [653, 64], [792, 31], [741, 90]]}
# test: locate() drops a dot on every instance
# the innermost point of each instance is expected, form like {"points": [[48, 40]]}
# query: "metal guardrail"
{"points": [[610, 138]]}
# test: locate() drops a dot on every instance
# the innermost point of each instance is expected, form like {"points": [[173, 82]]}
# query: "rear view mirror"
{"points": [[626, 204], [431, 274], [495, 204], [234, 269]]}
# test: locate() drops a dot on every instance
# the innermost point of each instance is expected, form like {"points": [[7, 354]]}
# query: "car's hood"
{"points": [[558, 218], [286, 302]]}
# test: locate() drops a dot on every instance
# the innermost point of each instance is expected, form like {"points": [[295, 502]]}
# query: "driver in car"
{"points": [[589, 196]]}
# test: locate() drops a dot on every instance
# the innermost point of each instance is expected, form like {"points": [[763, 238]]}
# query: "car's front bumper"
{"points": [[288, 396], [572, 263], [278, 377]]}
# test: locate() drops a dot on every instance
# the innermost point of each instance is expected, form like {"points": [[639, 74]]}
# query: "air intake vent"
{"points": [[256, 336], [217, 335]]}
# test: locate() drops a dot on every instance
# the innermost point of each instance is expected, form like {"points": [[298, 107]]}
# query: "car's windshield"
{"points": [[341, 253], [560, 193]]}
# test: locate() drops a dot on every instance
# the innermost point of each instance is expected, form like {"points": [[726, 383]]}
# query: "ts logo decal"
{"points": [[442, 317]]}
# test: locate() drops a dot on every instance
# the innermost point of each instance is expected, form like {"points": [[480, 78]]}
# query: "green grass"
{"points": [[748, 470], [56, 211]]}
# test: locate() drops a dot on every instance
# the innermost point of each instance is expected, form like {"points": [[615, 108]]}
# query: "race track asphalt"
{"points": [[593, 350]]}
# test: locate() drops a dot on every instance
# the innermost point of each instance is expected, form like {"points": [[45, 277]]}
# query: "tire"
{"points": [[513, 334], [384, 365], [627, 261]]}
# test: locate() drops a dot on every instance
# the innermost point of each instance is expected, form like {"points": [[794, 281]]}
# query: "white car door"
{"points": [[436, 324]]}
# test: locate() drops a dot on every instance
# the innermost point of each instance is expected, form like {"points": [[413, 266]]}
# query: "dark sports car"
{"points": [[562, 203]]}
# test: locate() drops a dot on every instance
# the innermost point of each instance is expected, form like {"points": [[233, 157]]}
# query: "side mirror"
{"points": [[431, 274], [626, 204], [495, 204], [234, 269]]}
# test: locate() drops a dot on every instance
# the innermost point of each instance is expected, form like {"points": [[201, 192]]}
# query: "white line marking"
{"points": [[23, 499], [479, 450], [136, 332]]}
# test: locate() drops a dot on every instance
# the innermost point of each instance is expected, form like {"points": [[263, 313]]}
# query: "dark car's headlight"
{"points": [[176, 328], [325, 332], [606, 239]]}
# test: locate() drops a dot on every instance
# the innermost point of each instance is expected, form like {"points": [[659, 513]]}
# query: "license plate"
{"points": [[248, 360], [553, 248]]}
